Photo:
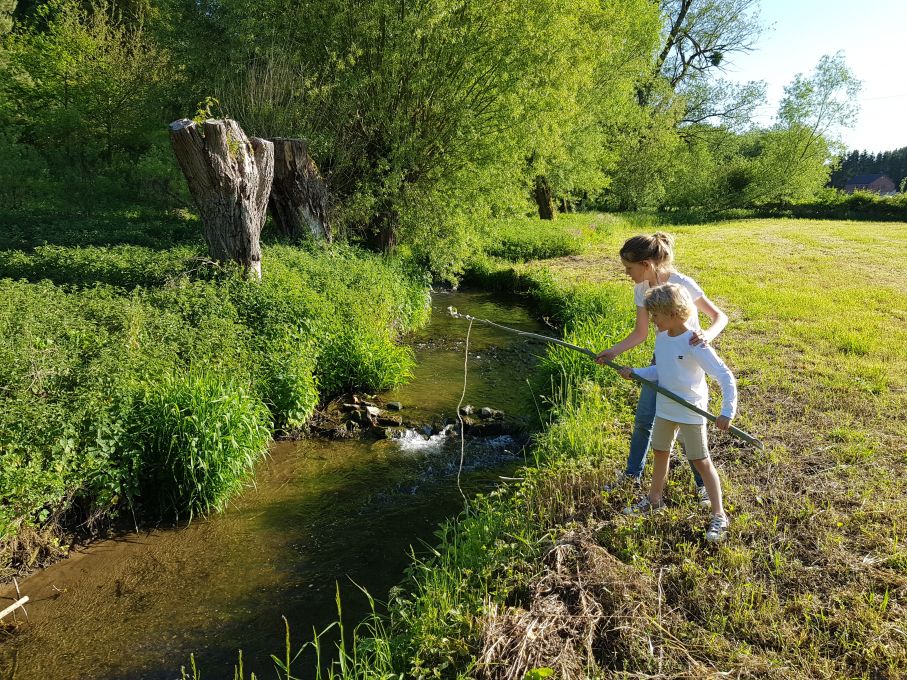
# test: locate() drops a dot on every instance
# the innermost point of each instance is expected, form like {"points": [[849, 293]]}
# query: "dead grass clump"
{"points": [[28, 548], [570, 493], [587, 610]]}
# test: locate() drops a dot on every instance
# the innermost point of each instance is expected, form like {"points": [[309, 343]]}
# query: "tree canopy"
{"points": [[422, 117]]}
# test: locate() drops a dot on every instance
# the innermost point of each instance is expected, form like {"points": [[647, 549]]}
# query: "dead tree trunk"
{"points": [[543, 198], [299, 197], [229, 177]]}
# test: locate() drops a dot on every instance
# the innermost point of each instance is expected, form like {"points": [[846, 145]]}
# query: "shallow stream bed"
{"points": [[322, 514]]}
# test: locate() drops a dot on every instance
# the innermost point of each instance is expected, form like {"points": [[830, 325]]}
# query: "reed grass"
{"points": [[197, 437], [521, 239]]}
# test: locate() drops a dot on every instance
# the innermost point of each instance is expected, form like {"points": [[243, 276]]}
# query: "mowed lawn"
{"points": [[813, 578]]}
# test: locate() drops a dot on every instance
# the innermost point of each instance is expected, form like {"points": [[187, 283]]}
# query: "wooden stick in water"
{"points": [[14, 606]]}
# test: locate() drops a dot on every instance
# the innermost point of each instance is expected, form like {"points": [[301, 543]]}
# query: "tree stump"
{"points": [[230, 178], [299, 197]]}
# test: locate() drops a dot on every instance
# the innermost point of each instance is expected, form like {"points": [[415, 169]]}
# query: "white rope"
{"points": [[460, 416]]}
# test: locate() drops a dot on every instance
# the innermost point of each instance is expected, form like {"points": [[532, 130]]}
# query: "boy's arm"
{"points": [[715, 367], [648, 372]]}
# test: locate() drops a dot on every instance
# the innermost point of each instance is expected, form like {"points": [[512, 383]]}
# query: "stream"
{"points": [[322, 514]]}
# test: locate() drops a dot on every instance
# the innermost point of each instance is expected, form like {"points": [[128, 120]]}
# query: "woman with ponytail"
{"points": [[648, 261]]}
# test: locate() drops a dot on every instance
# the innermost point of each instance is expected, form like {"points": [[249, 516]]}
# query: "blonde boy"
{"points": [[681, 368]]}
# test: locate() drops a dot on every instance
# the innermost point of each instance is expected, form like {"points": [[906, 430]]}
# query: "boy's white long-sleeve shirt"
{"points": [[681, 368]]}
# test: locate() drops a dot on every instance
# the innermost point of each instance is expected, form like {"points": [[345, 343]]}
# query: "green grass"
{"points": [[143, 379], [811, 582], [193, 440], [522, 239]]}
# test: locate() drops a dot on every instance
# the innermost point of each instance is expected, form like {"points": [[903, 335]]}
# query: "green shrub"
{"points": [[835, 204], [285, 379], [196, 438], [360, 358], [518, 240]]}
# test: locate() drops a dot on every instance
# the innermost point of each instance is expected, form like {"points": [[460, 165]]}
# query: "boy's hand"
{"points": [[625, 372], [723, 423], [605, 355]]}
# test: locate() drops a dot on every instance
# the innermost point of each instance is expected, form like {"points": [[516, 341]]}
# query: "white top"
{"points": [[681, 367], [639, 294]]}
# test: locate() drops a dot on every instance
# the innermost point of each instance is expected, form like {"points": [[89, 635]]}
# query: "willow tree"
{"points": [[409, 108], [229, 177], [797, 153], [699, 40], [573, 149]]}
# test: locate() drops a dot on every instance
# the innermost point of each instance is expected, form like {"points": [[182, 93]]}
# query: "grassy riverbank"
{"points": [[139, 379], [812, 580]]}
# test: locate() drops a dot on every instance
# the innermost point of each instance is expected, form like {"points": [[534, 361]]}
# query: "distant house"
{"points": [[880, 184]]}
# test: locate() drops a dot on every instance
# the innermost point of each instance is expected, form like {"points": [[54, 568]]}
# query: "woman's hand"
{"points": [[606, 355], [723, 422], [698, 337]]}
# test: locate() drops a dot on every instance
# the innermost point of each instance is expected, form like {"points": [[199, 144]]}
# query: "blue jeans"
{"points": [[642, 434]]}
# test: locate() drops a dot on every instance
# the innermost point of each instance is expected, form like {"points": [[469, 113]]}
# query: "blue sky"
{"points": [[873, 37]]}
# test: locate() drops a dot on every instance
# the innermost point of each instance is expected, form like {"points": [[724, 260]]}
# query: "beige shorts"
{"points": [[693, 437]]}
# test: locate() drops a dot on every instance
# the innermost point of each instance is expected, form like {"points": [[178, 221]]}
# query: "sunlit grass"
{"points": [[811, 581]]}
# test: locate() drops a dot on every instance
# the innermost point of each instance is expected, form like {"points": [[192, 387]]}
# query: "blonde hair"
{"points": [[669, 298], [657, 248]]}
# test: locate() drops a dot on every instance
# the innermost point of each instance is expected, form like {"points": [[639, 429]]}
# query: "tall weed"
{"points": [[195, 439]]}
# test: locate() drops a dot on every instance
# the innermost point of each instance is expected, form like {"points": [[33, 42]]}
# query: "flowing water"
{"points": [[322, 515]]}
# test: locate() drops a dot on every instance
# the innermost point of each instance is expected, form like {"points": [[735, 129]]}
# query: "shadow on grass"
{"points": [[150, 229], [122, 248]]}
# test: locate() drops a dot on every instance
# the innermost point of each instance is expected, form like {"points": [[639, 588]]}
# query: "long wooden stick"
{"points": [[734, 430], [14, 606]]}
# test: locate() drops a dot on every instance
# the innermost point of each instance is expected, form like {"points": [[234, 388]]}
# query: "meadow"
{"points": [[143, 382], [546, 578]]}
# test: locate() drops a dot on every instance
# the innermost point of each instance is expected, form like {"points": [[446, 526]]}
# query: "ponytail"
{"points": [[657, 248]]}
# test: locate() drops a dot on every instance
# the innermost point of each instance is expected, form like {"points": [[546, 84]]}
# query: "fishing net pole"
{"points": [[734, 430]]}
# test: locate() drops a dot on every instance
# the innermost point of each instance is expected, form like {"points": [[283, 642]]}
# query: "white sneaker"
{"points": [[704, 499], [717, 528], [644, 507]]}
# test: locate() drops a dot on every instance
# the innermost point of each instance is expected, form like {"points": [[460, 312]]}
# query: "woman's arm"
{"points": [[717, 317], [636, 337]]}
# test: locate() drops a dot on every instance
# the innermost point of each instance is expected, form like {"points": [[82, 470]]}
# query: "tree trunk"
{"points": [[382, 233], [230, 178], [543, 198], [299, 197]]}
